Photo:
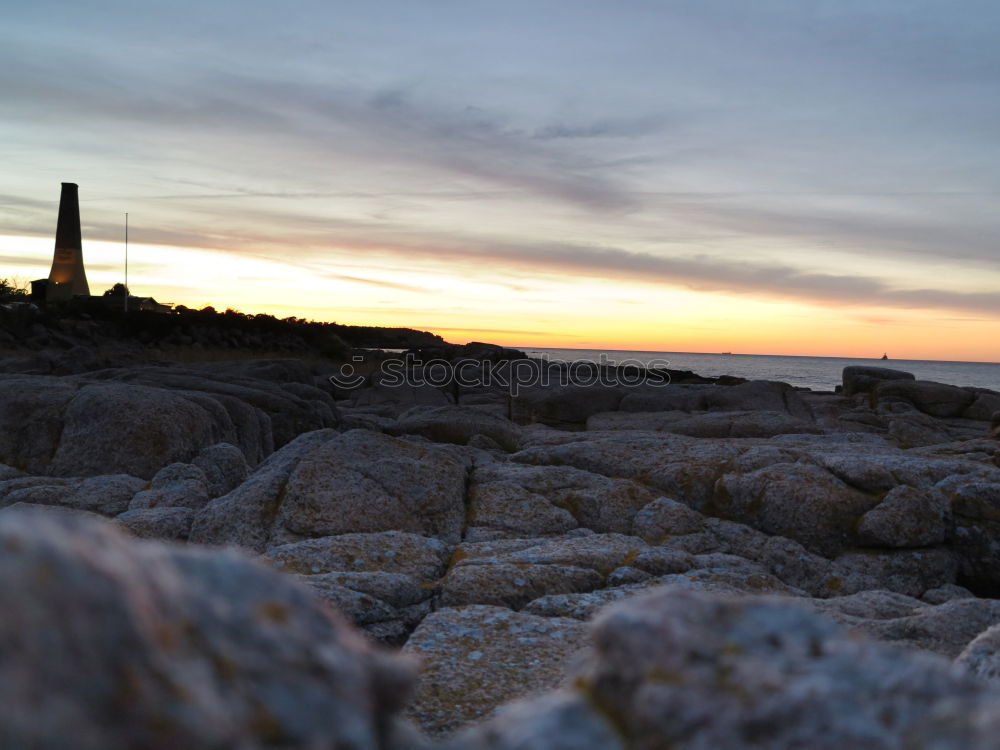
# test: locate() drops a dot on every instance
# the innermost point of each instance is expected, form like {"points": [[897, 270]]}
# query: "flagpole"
{"points": [[126, 261]]}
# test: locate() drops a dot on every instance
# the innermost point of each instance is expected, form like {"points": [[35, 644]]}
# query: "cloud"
{"points": [[316, 240], [375, 282], [607, 128], [920, 226], [316, 123], [641, 153], [712, 275], [18, 260]]}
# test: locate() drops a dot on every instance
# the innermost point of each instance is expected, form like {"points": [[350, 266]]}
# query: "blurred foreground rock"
{"points": [[108, 642]]}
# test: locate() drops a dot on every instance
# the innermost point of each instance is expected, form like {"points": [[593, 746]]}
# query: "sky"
{"points": [[776, 177]]}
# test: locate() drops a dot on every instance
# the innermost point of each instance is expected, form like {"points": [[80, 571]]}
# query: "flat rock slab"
{"points": [[479, 657], [388, 551], [512, 572]]}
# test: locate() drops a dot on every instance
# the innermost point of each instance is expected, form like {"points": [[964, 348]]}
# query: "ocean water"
{"points": [[817, 373]]}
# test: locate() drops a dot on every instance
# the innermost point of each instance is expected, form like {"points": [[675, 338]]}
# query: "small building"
{"points": [[148, 303]]}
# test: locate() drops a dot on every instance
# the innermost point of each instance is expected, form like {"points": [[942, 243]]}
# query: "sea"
{"points": [[815, 373]]}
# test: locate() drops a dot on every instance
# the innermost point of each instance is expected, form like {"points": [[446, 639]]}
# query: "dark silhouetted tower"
{"points": [[67, 277]]}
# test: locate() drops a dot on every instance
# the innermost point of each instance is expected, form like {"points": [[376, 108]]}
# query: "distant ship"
{"points": [[885, 356]]}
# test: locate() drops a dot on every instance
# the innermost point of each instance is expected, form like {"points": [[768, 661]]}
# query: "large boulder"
{"points": [[758, 395], [225, 467], [383, 582], [457, 424], [906, 571], [137, 419], [798, 501], [985, 405], [112, 642], [31, 420], [177, 485], [393, 399], [975, 506], [907, 517], [509, 500], [564, 406], [862, 379], [325, 484], [254, 403], [67, 427], [742, 424], [672, 398], [284, 372], [682, 467], [675, 527], [830, 493], [754, 395], [245, 516], [934, 399], [364, 481], [133, 429]]}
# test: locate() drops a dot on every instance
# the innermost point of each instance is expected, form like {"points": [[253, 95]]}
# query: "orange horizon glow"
{"points": [[535, 313]]}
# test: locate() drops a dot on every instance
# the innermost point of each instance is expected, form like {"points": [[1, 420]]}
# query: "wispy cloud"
{"points": [[504, 260], [375, 282], [821, 159], [313, 121]]}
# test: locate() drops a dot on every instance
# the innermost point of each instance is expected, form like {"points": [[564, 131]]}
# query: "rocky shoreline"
{"points": [[248, 554]]}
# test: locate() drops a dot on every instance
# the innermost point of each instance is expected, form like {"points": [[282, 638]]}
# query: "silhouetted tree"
{"points": [[118, 290], [11, 290]]}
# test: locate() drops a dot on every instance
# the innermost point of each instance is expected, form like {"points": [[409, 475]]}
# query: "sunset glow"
{"points": [[826, 187]]}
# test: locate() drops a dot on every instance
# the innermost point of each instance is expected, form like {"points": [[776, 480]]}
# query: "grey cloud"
{"points": [[608, 128], [311, 236], [22, 202], [316, 119], [16, 260], [915, 226], [713, 275]]}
